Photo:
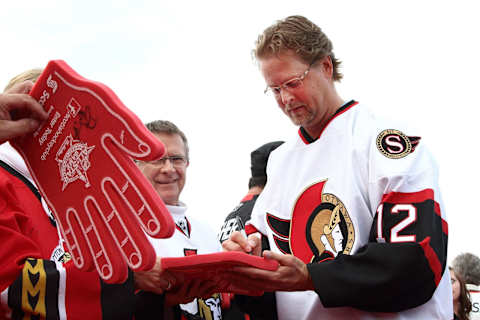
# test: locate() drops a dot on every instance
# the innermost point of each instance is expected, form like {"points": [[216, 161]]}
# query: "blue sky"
{"points": [[189, 62]]}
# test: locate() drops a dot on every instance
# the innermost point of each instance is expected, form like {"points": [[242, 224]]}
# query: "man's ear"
{"points": [[326, 65]]}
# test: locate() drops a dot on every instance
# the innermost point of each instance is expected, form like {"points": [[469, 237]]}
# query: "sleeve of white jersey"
{"points": [[407, 247]]}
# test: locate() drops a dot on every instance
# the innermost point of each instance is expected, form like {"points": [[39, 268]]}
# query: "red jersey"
{"points": [[36, 277]]}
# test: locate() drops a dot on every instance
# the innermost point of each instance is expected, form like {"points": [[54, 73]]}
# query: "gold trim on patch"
{"points": [[391, 154], [330, 198]]}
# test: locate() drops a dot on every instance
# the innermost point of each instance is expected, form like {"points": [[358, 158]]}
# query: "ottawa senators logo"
{"points": [[320, 227], [210, 309], [394, 144]]}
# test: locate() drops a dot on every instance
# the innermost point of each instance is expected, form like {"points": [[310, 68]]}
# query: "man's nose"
{"points": [[168, 166], [286, 96]]}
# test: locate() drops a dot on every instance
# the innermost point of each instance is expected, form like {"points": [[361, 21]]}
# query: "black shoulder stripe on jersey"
{"points": [[28, 184], [22, 178], [262, 307], [281, 227], [116, 299], [149, 303], [282, 244], [53, 283], [15, 298]]}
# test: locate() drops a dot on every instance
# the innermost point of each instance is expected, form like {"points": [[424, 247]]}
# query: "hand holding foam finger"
{"points": [[19, 113]]}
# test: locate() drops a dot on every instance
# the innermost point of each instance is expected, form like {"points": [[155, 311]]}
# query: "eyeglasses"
{"points": [[176, 161], [289, 85]]}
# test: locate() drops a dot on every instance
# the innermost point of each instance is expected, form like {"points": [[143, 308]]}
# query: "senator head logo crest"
{"points": [[320, 227]]}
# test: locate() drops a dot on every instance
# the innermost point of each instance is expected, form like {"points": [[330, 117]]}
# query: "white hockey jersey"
{"points": [[191, 237], [362, 207]]}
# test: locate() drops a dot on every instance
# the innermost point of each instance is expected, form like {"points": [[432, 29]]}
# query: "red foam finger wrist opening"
{"points": [[213, 266]]}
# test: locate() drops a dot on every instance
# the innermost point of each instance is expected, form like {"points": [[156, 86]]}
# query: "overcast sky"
{"points": [[190, 62]]}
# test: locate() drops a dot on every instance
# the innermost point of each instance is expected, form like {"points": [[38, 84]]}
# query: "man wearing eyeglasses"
{"points": [[352, 208], [170, 296]]}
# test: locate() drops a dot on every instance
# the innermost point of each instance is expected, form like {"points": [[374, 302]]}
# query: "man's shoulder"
{"points": [[243, 209]]}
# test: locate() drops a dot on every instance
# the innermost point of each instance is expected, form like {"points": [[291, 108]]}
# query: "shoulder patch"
{"points": [[394, 144]]}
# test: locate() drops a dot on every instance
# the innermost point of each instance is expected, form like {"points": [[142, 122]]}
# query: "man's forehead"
{"points": [[173, 142], [277, 69]]}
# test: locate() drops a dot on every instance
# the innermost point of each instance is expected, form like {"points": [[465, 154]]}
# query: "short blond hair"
{"points": [[31, 75], [300, 35]]}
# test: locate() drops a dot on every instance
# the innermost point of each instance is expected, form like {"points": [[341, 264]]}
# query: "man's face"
{"points": [[167, 179], [307, 104]]}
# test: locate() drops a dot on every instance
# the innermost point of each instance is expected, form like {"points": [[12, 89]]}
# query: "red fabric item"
{"points": [[432, 258], [81, 161], [19, 232], [27, 232], [215, 266], [249, 229]]}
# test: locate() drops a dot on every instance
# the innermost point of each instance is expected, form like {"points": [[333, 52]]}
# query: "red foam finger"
{"points": [[81, 159]]}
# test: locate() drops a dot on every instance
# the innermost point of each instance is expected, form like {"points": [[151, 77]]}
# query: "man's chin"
{"points": [[298, 121], [168, 193]]}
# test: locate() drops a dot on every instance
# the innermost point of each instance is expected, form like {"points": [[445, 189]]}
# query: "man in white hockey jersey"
{"points": [[352, 207], [174, 298]]}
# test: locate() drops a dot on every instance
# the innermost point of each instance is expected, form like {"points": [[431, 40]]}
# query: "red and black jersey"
{"points": [[36, 279]]}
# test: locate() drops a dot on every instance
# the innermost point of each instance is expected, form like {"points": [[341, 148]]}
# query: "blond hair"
{"points": [[31, 75], [300, 35]]}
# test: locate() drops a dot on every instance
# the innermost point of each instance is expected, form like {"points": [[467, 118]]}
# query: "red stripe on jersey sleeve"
{"points": [[249, 229], [445, 227], [411, 197], [444, 223], [416, 197], [248, 197], [432, 258]]}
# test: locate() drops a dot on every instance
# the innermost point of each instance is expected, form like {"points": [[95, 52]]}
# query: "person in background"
{"points": [[265, 307], [467, 266], [461, 298], [256, 183], [352, 208], [176, 298]]}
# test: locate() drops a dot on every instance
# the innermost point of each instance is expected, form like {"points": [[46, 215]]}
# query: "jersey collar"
{"points": [[307, 139]]}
